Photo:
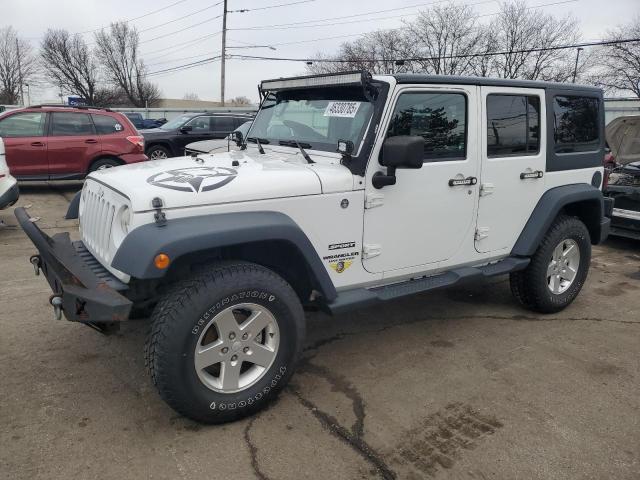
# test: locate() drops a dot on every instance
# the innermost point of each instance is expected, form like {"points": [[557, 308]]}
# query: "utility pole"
{"points": [[224, 52], [20, 72], [575, 69]]}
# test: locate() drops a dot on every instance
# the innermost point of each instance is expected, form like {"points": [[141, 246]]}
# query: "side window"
{"points": [[513, 125], [440, 118], [106, 125], [576, 127], [200, 124], [28, 124], [222, 124], [64, 124]]}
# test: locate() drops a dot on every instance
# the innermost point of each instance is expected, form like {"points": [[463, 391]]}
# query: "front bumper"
{"points": [[10, 197], [84, 290]]}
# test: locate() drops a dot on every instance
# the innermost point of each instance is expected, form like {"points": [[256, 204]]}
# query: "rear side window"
{"points": [[576, 126], [513, 125], [106, 125], [222, 124], [440, 118], [65, 124], [28, 124]]}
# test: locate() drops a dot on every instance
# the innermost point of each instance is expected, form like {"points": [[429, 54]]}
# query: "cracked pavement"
{"points": [[454, 384]]}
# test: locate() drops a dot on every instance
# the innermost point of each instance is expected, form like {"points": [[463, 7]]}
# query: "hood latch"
{"points": [[159, 217]]}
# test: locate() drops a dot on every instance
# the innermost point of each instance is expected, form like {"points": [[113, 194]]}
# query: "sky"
{"points": [[196, 37]]}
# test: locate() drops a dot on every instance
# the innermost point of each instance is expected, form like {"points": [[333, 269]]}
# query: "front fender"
{"points": [[183, 236]]}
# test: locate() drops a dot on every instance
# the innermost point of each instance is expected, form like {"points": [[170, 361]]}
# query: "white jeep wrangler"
{"points": [[349, 190]]}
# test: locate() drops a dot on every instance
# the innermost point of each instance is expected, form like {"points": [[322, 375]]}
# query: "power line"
{"points": [[180, 59], [138, 18], [244, 10], [182, 29], [181, 45], [180, 18], [185, 66], [416, 59]]}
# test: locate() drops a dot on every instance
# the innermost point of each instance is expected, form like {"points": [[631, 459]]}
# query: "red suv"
{"points": [[46, 142]]}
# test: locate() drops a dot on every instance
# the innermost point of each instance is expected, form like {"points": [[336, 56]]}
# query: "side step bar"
{"points": [[363, 297]]}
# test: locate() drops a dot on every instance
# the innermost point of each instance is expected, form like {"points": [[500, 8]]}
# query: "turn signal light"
{"points": [[161, 261], [137, 140]]}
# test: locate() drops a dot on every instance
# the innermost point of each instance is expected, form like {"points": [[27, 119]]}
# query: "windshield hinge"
{"points": [[482, 232], [486, 189], [371, 250], [373, 200]]}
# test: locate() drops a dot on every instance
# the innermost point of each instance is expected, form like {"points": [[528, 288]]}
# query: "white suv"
{"points": [[8, 185], [349, 190]]}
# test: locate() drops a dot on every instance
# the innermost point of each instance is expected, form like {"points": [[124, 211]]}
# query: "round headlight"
{"points": [[125, 219]]}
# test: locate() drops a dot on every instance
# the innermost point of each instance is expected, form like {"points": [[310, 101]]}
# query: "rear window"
{"points": [[70, 124], [513, 125], [576, 126], [106, 125]]}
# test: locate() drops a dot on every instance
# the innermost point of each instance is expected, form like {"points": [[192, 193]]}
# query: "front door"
{"points": [[425, 217], [25, 144], [513, 164], [73, 144]]}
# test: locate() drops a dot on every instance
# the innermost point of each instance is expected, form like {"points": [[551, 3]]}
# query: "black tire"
{"points": [[104, 163], [158, 152], [182, 316], [531, 286]]}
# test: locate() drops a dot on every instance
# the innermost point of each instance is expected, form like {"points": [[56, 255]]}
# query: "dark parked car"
{"points": [[45, 142], [623, 178], [142, 123], [170, 139], [225, 145]]}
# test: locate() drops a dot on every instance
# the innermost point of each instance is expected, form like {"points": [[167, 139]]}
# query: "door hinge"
{"points": [[486, 189], [370, 251], [373, 200], [482, 232]]}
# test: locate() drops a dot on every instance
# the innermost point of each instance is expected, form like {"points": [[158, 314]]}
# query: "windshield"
{"points": [[176, 122], [315, 117]]}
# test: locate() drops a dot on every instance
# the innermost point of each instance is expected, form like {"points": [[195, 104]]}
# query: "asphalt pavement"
{"points": [[455, 384]]}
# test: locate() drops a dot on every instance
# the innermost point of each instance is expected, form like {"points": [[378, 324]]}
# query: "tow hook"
{"points": [[56, 303], [35, 261]]}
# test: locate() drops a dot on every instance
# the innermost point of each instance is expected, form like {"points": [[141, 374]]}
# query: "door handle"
{"points": [[534, 175], [91, 140], [37, 144], [456, 182]]}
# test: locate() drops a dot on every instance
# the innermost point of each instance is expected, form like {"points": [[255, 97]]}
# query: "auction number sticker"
{"points": [[342, 109]]}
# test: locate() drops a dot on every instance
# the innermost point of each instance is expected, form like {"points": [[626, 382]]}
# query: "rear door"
{"points": [[222, 126], [25, 143], [73, 144], [513, 164]]}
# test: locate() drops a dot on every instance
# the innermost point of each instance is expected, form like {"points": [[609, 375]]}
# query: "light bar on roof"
{"points": [[340, 79]]}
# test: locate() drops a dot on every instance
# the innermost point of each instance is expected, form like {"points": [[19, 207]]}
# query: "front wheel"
{"points": [[557, 270], [225, 342]]}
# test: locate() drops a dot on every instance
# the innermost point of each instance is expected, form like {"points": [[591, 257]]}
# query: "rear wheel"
{"points": [[557, 270], [104, 163], [158, 152], [225, 342]]}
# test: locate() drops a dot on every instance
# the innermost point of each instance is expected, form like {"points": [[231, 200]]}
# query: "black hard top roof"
{"points": [[491, 82]]}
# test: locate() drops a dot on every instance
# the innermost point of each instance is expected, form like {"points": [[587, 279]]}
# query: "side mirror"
{"points": [[403, 151], [236, 136], [186, 129]]}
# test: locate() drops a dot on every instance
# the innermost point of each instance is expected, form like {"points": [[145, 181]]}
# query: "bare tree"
{"points": [[118, 52], [191, 96], [18, 65], [240, 101], [528, 38], [618, 65], [70, 64], [444, 36]]}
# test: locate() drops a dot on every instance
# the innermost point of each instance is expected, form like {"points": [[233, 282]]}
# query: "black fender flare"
{"points": [[183, 236], [548, 208], [73, 211]]}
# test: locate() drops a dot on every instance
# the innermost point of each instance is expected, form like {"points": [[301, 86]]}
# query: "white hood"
{"points": [[224, 178], [623, 138]]}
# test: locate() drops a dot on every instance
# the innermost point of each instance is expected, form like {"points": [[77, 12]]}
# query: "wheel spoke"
{"points": [[230, 375], [260, 355], [255, 323], [570, 252], [226, 323], [555, 283], [208, 355], [551, 268], [569, 273]]}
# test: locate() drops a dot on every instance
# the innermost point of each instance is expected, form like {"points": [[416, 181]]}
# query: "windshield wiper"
{"points": [[295, 143], [259, 142]]}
